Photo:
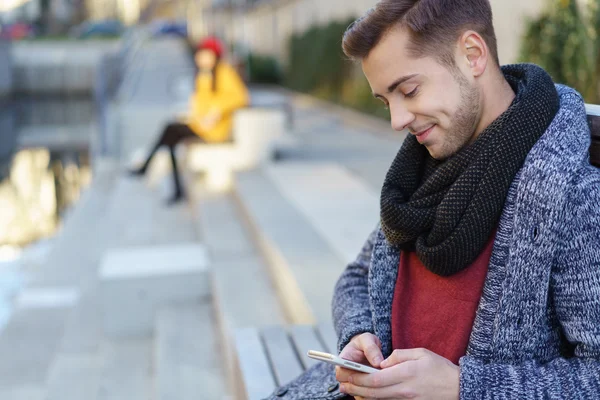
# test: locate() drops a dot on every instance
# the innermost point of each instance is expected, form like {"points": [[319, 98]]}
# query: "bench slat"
{"points": [[304, 338], [594, 123], [328, 336], [254, 366], [282, 355]]}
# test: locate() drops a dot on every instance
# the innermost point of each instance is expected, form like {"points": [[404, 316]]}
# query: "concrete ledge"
{"points": [[57, 67], [341, 207], [136, 282], [303, 267], [239, 270], [187, 360]]}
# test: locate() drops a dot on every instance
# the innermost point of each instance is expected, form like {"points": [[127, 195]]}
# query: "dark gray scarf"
{"points": [[447, 210]]}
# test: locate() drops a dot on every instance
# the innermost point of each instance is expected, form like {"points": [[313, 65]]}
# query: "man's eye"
{"points": [[413, 93], [385, 104]]}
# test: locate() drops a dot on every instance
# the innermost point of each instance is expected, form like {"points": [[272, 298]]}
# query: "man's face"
{"points": [[439, 106]]}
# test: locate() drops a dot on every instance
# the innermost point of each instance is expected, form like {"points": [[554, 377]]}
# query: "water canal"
{"points": [[44, 167]]}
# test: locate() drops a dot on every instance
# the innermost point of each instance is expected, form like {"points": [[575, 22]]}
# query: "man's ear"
{"points": [[474, 51]]}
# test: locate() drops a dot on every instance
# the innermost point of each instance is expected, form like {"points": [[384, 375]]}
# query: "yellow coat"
{"points": [[230, 94]]}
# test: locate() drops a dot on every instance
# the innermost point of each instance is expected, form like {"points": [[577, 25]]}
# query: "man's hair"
{"points": [[434, 27]]}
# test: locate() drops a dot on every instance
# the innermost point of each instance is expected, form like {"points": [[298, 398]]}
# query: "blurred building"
{"points": [[264, 26], [12, 11]]}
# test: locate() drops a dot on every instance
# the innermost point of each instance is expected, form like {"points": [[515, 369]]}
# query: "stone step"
{"points": [[341, 207], [239, 273], [188, 360], [29, 344], [27, 392], [83, 330], [303, 266], [128, 371], [77, 248], [75, 376], [138, 215], [135, 282], [328, 133], [243, 294]]}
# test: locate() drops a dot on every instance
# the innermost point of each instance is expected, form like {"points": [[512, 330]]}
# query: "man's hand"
{"points": [[406, 374], [364, 349]]}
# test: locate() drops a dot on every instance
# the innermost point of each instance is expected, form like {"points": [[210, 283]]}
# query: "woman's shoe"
{"points": [[137, 172], [176, 198]]}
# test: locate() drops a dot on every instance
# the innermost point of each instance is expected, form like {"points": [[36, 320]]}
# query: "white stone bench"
{"points": [[254, 137], [271, 357], [136, 282]]}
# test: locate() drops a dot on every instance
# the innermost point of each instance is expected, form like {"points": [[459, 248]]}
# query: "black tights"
{"points": [[173, 134]]}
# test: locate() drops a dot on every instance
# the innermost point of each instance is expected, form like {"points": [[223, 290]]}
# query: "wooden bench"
{"points": [[274, 356], [593, 112]]}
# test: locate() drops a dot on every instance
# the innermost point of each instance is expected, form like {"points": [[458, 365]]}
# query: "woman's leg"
{"points": [[169, 137], [184, 133]]}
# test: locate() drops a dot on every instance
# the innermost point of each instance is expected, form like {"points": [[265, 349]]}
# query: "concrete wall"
{"points": [[267, 28], [5, 69], [57, 67], [510, 17]]}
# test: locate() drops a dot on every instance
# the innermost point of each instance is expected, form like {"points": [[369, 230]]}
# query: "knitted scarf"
{"points": [[447, 210]]}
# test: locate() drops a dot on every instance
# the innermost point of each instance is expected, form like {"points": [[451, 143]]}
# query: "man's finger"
{"points": [[342, 374], [390, 392], [352, 353], [400, 356], [384, 378], [371, 349]]}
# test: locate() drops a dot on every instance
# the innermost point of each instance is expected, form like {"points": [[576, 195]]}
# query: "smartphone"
{"points": [[335, 360]]}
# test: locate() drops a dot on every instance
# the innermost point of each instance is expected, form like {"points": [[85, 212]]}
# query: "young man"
{"points": [[482, 280]]}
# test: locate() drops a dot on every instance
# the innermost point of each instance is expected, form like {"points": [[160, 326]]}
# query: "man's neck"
{"points": [[497, 97]]}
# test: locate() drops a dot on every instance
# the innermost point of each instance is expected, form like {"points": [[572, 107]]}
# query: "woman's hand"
{"points": [[406, 374], [211, 119]]}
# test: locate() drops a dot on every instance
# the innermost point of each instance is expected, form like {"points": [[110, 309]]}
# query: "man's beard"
{"points": [[464, 122]]}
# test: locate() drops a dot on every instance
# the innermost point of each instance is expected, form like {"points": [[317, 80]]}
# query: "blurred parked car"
{"points": [[17, 31], [166, 28], [89, 29]]}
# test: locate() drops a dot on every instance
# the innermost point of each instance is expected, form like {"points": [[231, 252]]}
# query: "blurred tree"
{"points": [[263, 69], [562, 41], [44, 20], [317, 65], [594, 31]]}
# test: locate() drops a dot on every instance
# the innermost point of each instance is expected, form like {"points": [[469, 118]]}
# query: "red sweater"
{"points": [[433, 312]]}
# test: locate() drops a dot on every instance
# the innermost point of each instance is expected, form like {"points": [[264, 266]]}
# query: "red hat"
{"points": [[211, 43]]}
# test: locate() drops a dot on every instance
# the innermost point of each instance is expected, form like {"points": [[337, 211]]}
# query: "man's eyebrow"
{"points": [[396, 83]]}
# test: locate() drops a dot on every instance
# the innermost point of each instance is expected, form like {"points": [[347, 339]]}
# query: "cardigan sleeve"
{"points": [[351, 311], [575, 292]]}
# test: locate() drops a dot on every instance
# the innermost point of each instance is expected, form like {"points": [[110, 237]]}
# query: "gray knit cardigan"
{"points": [[537, 330]]}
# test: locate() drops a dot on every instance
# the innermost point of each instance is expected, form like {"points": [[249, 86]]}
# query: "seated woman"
{"points": [[219, 92]]}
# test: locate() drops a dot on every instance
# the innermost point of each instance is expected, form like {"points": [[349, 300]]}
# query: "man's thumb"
{"points": [[400, 356]]}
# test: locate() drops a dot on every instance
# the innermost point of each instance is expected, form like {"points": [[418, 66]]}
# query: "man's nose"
{"points": [[401, 117]]}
